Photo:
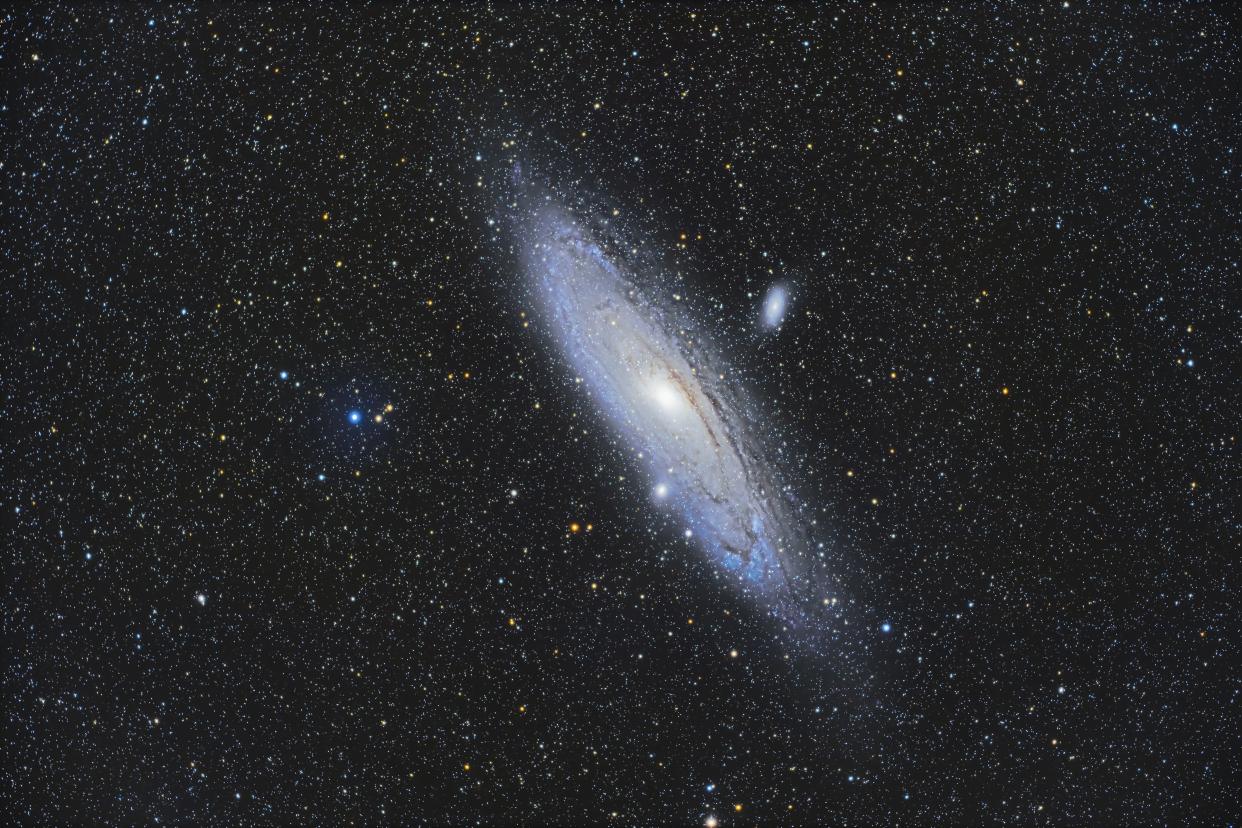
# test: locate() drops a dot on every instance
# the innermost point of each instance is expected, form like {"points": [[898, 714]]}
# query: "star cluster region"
{"points": [[307, 518]]}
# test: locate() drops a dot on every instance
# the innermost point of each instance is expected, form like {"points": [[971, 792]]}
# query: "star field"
{"points": [[309, 520]]}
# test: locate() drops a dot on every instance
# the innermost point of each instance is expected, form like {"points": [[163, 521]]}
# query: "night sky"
{"points": [[310, 519]]}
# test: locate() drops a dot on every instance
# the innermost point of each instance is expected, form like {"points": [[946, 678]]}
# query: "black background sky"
{"points": [[1007, 390]]}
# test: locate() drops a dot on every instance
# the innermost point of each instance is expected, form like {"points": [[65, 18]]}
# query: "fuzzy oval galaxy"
{"points": [[675, 410]]}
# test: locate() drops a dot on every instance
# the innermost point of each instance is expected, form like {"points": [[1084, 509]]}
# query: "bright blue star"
{"points": [[886, 627], [284, 375], [355, 417]]}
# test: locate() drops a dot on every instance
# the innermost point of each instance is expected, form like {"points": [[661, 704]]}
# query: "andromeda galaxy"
{"points": [[663, 393]]}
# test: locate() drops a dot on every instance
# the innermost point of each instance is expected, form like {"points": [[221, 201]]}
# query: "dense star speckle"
{"points": [[326, 500]]}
